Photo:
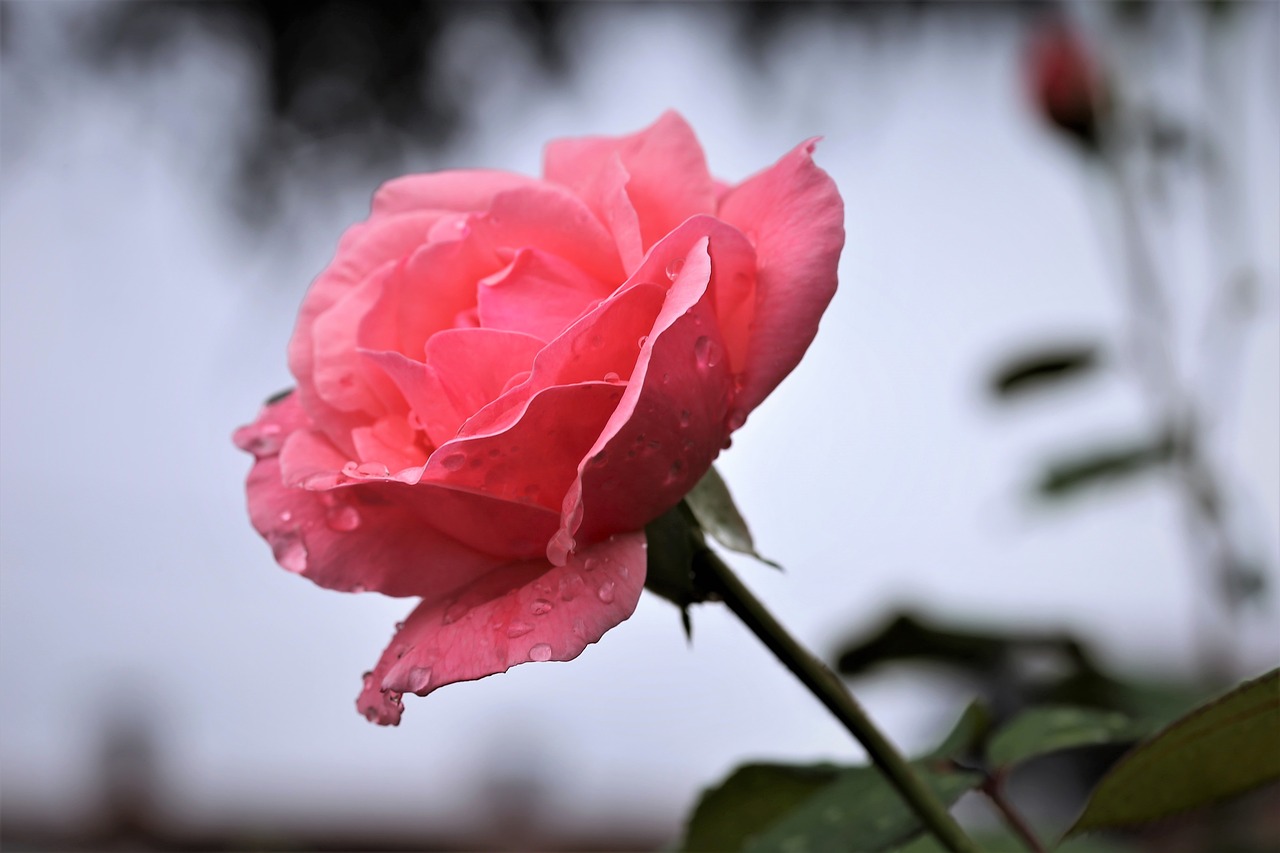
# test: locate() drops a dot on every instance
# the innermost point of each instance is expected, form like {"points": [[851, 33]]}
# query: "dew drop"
{"points": [[707, 352], [358, 588], [605, 592], [350, 469], [685, 417], [571, 587], [540, 652], [290, 551], [518, 629], [591, 564], [343, 518], [674, 267], [454, 461], [286, 516], [399, 627], [736, 420], [372, 469], [612, 377], [264, 441], [644, 339], [541, 607], [415, 422], [419, 679], [673, 473]]}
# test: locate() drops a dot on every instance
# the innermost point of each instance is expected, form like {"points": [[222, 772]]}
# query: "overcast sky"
{"points": [[140, 326]]}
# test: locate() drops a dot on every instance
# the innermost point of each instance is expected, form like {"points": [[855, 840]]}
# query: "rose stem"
{"points": [[831, 691]]}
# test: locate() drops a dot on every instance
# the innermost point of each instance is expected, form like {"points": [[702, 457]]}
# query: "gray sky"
{"points": [[139, 328]]}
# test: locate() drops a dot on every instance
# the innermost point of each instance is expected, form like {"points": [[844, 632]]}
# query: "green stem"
{"points": [[831, 691]]}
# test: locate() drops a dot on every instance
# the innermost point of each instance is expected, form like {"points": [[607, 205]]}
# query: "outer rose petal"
{"points": [[662, 170], [794, 215], [671, 423], [356, 538], [515, 614], [457, 190]]}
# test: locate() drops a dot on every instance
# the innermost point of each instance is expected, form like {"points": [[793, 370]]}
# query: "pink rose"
{"points": [[501, 380]]}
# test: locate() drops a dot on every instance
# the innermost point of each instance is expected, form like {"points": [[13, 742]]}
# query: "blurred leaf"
{"points": [[965, 736], [749, 801], [713, 507], [1000, 839], [1039, 370], [907, 636], [1105, 465], [1221, 749], [766, 807], [1040, 731]]}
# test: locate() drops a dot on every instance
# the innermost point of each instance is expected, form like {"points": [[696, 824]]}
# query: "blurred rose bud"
{"points": [[1066, 82]]}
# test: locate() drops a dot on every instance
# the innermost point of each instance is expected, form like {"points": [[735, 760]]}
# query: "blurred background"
{"points": [[1043, 410]]}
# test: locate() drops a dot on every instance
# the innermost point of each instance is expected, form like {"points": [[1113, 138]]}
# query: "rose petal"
{"points": [[361, 537], [515, 614], [457, 190], [670, 424], [794, 215], [538, 294], [363, 249], [662, 168], [466, 369]]}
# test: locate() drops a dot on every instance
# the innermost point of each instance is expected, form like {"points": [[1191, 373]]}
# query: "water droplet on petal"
{"points": [[286, 515], [343, 518], [454, 461], [290, 551], [518, 629], [419, 679], [415, 422], [351, 469], [605, 592], [612, 377], [591, 564], [540, 652], [674, 267], [644, 339], [685, 417], [707, 352], [372, 469], [541, 607], [571, 587], [736, 420], [263, 441]]}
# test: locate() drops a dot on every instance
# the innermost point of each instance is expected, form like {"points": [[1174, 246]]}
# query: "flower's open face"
{"points": [[501, 380]]}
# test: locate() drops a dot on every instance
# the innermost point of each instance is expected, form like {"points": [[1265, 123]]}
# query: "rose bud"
{"points": [[1066, 82]]}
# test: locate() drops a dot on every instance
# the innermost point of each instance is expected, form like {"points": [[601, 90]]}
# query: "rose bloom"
{"points": [[501, 380]]}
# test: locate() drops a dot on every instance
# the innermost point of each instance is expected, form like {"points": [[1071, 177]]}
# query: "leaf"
{"points": [[1221, 749], [749, 801], [965, 736], [1105, 465], [713, 507], [1040, 731], [859, 810], [1043, 368], [767, 807]]}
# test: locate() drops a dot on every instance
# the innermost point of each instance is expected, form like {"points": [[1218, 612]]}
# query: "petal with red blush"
{"points": [[513, 615]]}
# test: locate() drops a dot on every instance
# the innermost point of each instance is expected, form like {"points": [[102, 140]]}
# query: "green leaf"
{"points": [[713, 507], [965, 737], [1040, 731], [770, 807], [749, 801], [1043, 368], [1221, 749], [1105, 465]]}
